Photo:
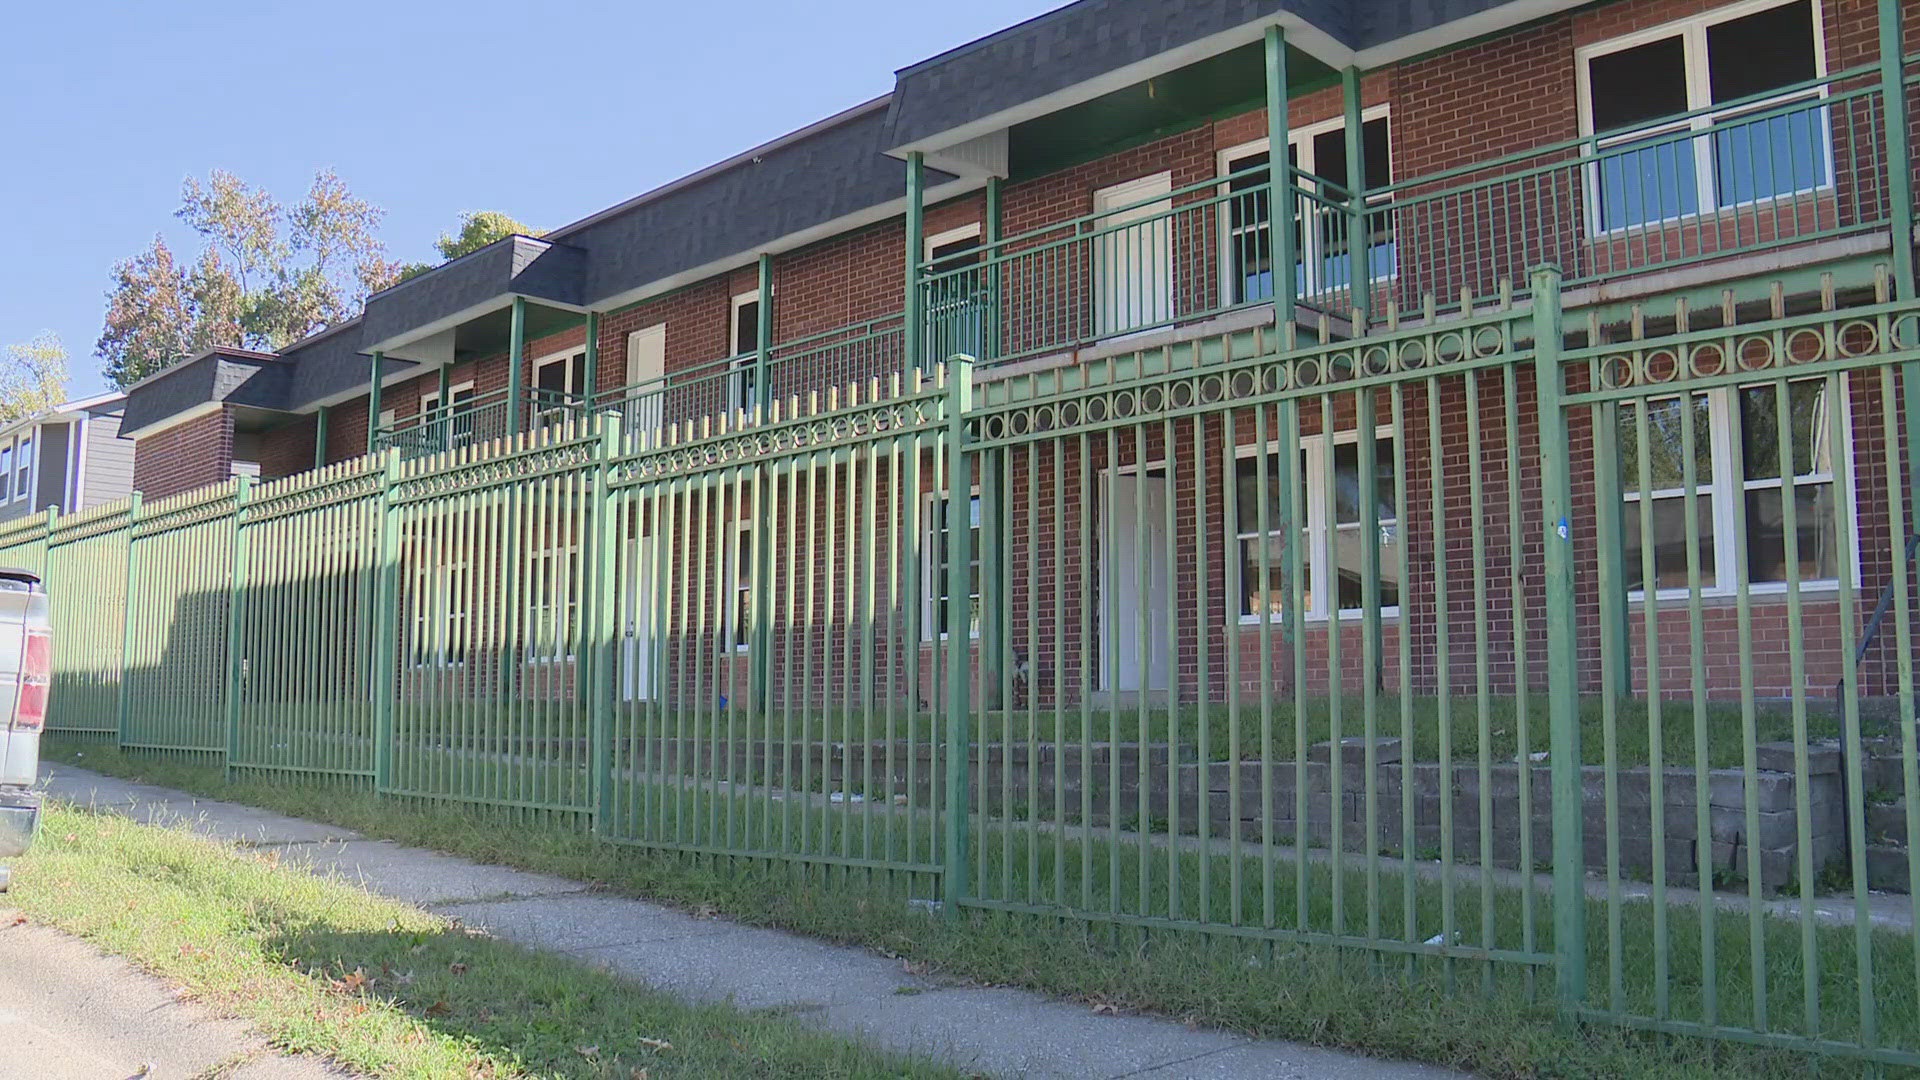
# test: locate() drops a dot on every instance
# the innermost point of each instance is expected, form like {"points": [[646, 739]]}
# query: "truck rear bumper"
{"points": [[19, 814]]}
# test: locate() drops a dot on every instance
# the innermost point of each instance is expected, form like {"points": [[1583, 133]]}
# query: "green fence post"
{"points": [[958, 836], [1279, 180], [604, 546], [236, 590], [990, 328], [127, 621], [913, 309], [760, 641], [1893, 97], [381, 666], [517, 366], [1360, 268], [1556, 510]]}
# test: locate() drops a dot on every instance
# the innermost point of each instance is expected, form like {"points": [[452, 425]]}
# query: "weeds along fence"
{"points": [[1516, 653]]}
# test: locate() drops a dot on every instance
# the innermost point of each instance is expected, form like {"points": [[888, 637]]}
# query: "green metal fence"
{"points": [[1532, 654]]}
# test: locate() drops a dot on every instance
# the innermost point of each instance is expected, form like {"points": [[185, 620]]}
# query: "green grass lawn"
{"points": [[1491, 1019], [382, 987]]}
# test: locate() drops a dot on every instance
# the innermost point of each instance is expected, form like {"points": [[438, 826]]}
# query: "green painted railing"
{"points": [[480, 419], [1799, 164]]}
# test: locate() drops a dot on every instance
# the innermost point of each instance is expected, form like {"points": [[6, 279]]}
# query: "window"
{"points": [[956, 295], [739, 593], [1651, 171], [1319, 150], [1736, 467], [937, 613], [553, 608], [559, 381], [742, 394], [1334, 547], [23, 471], [6, 462], [439, 615]]}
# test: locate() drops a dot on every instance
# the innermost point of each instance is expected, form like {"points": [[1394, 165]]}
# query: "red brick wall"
{"points": [[190, 454]]}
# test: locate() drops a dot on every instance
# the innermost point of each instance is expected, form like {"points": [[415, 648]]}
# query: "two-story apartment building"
{"points": [[1095, 185], [68, 458]]}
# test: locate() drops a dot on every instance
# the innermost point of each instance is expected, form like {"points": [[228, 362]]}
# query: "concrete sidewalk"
{"points": [[999, 1032]]}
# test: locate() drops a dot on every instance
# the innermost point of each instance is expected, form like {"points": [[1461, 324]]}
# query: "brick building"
{"points": [[1094, 185]]}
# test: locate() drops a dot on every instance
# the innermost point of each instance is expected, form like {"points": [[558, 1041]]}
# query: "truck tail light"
{"points": [[36, 673]]}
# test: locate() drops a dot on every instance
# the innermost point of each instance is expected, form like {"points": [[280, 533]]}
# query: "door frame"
{"points": [[1110, 664]]}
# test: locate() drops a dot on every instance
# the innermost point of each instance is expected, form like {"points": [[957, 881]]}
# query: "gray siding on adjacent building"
{"points": [[51, 488], [107, 472]]}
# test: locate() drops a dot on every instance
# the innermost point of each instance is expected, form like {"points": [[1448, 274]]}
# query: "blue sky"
{"points": [[545, 109]]}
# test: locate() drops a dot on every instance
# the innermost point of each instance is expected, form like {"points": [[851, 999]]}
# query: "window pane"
{"points": [[1760, 430], [1779, 155], [1268, 595], [1650, 181], [552, 377], [1247, 499], [1816, 526], [1346, 481], [746, 328], [1760, 52], [1633, 86], [1348, 553], [1330, 156], [1666, 457], [1250, 239], [937, 587], [1379, 166], [1669, 528]]}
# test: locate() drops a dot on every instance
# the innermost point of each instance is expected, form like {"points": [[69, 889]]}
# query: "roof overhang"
{"points": [[411, 320]]}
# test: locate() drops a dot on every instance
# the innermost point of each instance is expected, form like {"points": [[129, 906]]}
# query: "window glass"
{"points": [[1760, 430], [937, 586], [1760, 52], [739, 614], [1632, 86], [1666, 444], [25, 475], [1668, 529], [956, 315], [1338, 556], [746, 328]]}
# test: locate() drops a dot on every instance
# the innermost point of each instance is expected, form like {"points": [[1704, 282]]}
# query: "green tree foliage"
{"points": [[266, 275], [33, 377], [478, 228]]}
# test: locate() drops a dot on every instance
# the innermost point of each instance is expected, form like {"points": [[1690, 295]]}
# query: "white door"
{"points": [[639, 607], [1133, 256], [646, 366], [1134, 622]]}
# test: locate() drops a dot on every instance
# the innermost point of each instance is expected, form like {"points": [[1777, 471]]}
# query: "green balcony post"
{"points": [[128, 619], [517, 367], [763, 335], [236, 595], [592, 374], [1556, 484], [958, 833], [912, 328], [1359, 266], [1279, 180], [373, 403], [382, 665], [1899, 149], [990, 329], [320, 436]]}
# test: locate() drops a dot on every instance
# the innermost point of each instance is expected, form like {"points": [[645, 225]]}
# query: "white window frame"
{"points": [[1318, 557], [558, 570], [1301, 140], [430, 400], [741, 365], [566, 358], [25, 466], [436, 611], [1727, 468], [1692, 31], [951, 236], [933, 581]]}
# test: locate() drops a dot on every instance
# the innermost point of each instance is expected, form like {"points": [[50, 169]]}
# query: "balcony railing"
{"points": [[1798, 164], [703, 397], [1802, 163], [476, 420]]}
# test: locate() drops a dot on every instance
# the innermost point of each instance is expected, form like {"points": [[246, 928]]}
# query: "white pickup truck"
{"points": [[26, 667]]}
